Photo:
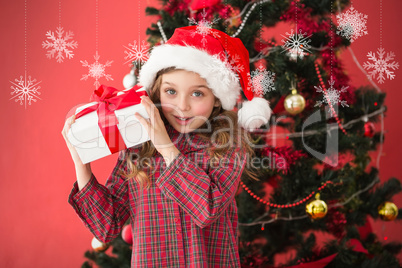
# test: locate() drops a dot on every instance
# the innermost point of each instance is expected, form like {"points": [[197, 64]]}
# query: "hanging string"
{"points": [[96, 24], [331, 32], [226, 25], [380, 23], [60, 13], [296, 2], [139, 21], [326, 95], [25, 38], [260, 32]]}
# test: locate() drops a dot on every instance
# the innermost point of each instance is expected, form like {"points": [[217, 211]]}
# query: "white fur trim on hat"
{"points": [[219, 76], [254, 113]]}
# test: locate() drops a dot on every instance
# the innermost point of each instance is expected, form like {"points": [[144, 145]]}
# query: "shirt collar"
{"points": [[187, 142]]}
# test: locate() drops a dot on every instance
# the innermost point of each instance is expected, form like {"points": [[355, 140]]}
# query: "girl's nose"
{"points": [[183, 104]]}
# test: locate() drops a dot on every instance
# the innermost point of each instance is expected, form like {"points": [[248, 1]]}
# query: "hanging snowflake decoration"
{"points": [[296, 44], [351, 24], [228, 71], [331, 96], [263, 81], [96, 70], [25, 90], [234, 64], [137, 53], [381, 65], [59, 45], [204, 26]]}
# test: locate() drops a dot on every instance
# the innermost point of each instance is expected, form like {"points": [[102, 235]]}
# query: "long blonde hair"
{"points": [[217, 120]]}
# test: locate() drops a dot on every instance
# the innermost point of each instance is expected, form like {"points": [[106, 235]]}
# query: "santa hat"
{"points": [[221, 60]]}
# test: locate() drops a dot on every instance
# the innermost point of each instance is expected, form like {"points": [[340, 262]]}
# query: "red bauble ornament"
{"points": [[369, 129], [127, 234]]}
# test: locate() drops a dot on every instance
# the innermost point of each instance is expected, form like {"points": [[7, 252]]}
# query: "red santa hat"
{"points": [[221, 60]]}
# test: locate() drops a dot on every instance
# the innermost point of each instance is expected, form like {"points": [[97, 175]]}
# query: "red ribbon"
{"points": [[107, 102]]}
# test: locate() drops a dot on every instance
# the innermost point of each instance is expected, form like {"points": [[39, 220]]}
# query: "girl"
{"points": [[178, 189]]}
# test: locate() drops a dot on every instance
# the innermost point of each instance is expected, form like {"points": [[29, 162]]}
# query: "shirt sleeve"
{"points": [[203, 195], [103, 209]]}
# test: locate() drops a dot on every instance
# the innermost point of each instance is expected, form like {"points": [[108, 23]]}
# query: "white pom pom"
{"points": [[254, 113], [129, 80]]}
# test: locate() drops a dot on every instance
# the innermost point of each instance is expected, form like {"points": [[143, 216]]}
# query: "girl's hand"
{"points": [[73, 151], [157, 131], [83, 171]]}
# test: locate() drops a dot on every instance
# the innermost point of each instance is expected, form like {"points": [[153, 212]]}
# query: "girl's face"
{"points": [[186, 100]]}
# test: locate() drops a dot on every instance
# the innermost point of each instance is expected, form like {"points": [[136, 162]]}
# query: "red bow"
{"points": [[107, 102]]}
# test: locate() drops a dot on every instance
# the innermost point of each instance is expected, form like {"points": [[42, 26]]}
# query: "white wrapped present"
{"points": [[108, 124]]}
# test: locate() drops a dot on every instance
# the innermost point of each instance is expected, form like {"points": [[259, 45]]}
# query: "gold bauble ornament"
{"points": [[294, 103], [317, 209], [388, 211], [98, 246]]}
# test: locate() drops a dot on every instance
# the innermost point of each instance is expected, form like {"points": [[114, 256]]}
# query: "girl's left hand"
{"points": [[157, 131]]}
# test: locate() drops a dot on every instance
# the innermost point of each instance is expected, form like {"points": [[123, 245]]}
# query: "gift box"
{"points": [[107, 125]]}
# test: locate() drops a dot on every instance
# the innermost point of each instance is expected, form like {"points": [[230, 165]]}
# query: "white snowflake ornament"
{"points": [[60, 45], [234, 64], [25, 90], [204, 26], [296, 44], [263, 81], [96, 70], [228, 71], [331, 96], [137, 53], [351, 24], [381, 66]]}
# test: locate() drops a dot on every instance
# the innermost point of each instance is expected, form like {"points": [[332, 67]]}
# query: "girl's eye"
{"points": [[197, 94], [170, 91]]}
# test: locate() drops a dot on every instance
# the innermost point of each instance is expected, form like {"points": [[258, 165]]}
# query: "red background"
{"points": [[38, 227]]}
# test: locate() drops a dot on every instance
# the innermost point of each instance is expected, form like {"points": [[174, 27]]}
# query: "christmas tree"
{"points": [[320, 180]]}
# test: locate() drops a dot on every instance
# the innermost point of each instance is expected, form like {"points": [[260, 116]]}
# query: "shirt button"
{"points": [[176, 219], [177, 232]]}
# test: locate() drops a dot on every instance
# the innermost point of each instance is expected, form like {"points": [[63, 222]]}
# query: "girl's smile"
{"points": [[183, 120]]}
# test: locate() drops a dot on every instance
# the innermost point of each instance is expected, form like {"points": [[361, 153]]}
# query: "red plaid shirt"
{"points": [[187, 218]]}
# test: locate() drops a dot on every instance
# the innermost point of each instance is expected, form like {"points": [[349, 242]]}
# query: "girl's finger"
{"points": [[146, 105], [143, 122], [67, 125], [151, 109], [72, 119]]}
